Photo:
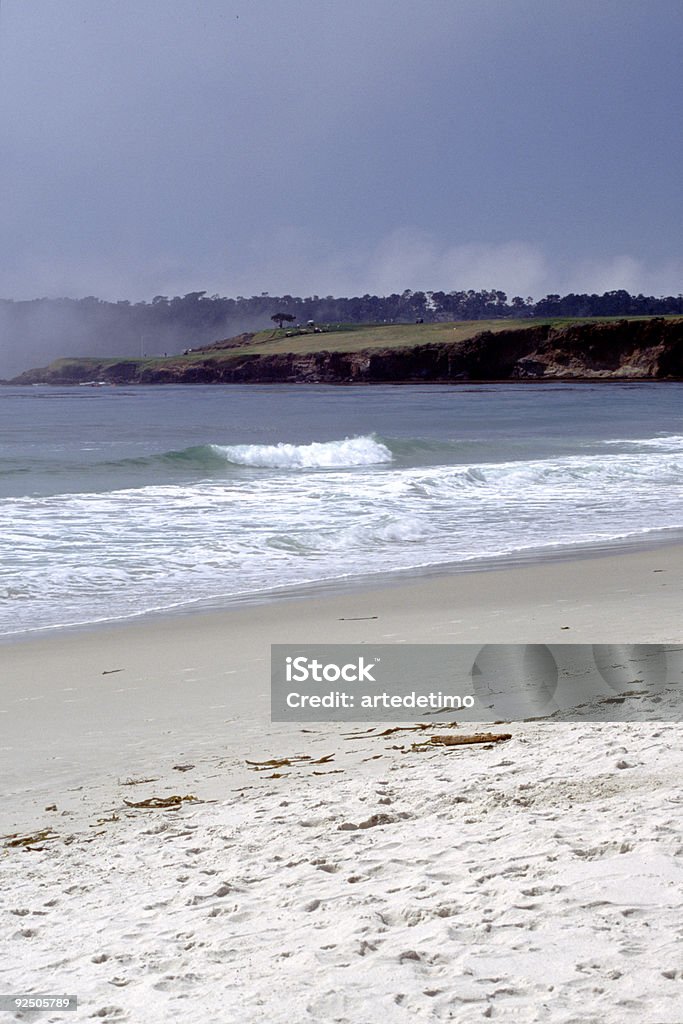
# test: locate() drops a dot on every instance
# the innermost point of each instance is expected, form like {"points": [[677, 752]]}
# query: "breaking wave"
{"points": [[352, 451]]}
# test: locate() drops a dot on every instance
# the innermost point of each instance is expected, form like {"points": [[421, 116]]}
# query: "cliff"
{"points": [[650, 349]]}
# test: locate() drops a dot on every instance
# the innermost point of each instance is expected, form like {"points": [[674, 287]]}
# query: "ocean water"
{"points": [[115, 502]]}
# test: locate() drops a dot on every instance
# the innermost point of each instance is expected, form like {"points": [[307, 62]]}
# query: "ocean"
{"points": [[121, 501]]}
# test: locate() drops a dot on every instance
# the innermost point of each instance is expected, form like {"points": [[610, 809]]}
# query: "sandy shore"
{"points": [[538, 879]]}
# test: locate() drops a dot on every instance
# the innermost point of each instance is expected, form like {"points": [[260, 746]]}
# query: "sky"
{"points": [[314, 147]]}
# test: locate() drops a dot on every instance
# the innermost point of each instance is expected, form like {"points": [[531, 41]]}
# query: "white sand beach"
{"points": [[535, 879]]}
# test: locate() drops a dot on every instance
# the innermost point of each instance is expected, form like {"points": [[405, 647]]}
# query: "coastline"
{"points": [[376, 583], [622, 349]]}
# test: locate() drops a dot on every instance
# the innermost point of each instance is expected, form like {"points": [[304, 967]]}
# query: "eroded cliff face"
{"points": [[621, 350]]}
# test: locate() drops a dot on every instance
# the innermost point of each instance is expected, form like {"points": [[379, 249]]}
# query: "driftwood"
{"points": [[479, 737]]}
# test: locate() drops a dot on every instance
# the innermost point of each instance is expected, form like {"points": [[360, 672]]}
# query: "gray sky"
{"points": [[325, 147]]}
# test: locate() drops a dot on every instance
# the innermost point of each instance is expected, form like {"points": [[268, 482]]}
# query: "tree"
{"points": [[282, 318]]}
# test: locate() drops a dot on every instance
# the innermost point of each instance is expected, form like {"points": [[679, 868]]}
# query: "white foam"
{"points": [[352, 451], [664, 442], [71, 558]]}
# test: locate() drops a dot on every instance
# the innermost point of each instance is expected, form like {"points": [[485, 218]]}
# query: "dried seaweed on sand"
{"points": [[44, 835], [163, 801], [288, 762], [420, 727]]}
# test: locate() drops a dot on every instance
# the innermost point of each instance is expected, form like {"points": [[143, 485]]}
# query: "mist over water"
{"points": [[114, 502], [35, 333]]}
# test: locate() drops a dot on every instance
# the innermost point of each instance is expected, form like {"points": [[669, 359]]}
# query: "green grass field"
{"points": [[344, 338], [360, 337]]}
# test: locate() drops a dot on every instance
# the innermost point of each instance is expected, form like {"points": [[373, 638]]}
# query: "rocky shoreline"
{"points": [[649, 349]]}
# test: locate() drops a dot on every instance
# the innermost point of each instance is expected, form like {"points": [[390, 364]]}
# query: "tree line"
{"points": [[93, 326]]}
